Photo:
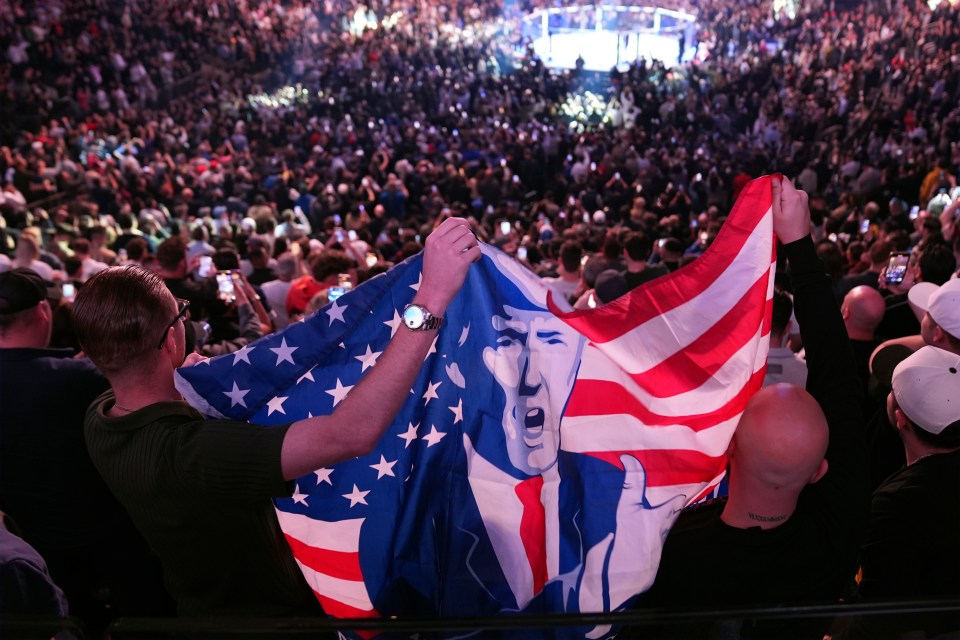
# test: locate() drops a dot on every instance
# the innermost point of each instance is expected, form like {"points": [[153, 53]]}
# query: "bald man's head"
{"points": [[863, 308], [781, 439]]}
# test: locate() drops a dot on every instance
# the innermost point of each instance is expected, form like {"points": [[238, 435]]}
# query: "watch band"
{"points": [[417, 318], [431, 323]]}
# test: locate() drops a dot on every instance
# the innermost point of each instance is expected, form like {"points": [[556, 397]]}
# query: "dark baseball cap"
{"points": [[883, 363], [21, 289], [610, 285]]}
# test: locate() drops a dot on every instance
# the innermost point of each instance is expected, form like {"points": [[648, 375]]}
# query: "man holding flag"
{"points": [[541, 454], [533, 463], [199, 490], [790, 530]]}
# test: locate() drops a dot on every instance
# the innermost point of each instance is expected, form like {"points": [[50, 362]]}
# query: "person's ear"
{"points": [[44, 311], [169, 342], [820, 472], [902, 423], [939, 335], [173, 350]]}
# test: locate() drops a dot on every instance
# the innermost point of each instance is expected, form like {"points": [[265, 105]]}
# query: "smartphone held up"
{"points": [[206, 268], [344, 284], [897, 268], [226, 289]]}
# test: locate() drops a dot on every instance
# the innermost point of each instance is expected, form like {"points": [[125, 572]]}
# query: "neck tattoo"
{"points": [[759, 518]]}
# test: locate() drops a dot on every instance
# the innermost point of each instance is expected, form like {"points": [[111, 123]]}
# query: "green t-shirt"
{"points": [[200, 493]]}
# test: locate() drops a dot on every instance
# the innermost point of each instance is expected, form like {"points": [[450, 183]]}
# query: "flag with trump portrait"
{"points": [[542, 454]]}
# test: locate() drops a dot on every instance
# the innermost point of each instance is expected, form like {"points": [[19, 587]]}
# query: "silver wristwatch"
{"points": [[417, 318]]}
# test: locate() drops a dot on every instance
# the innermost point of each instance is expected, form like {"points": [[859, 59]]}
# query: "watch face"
{"points": [[413, 317]]}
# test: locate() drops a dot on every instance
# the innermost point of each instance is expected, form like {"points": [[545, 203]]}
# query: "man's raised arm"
{"points": [[358, 422], [832, 375]]}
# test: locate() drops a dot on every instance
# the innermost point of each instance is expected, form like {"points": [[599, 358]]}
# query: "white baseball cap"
{"points": [[927, 388], [942, 303]]}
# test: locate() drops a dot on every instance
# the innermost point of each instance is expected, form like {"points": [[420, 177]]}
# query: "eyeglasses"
{"points": [[182, 307]]}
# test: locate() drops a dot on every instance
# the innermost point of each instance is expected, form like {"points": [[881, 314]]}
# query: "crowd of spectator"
{"points": [[304, 147], [287, 120]]}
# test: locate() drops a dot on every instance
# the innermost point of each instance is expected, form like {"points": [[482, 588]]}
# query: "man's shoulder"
{"points": [[867, 278], [650, 272], [276, 285], [164, 414], [917, 499], [895, 300], [188, 285], [691, 541], [658, 268], [22, 565], [934, 477], [699, 519]]}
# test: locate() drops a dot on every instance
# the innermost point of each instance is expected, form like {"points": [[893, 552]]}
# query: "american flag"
{"points": [[542, 454]]}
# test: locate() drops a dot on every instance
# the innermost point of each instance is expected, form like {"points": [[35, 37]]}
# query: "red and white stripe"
{"points": [[672, 364], [329, 557]]}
